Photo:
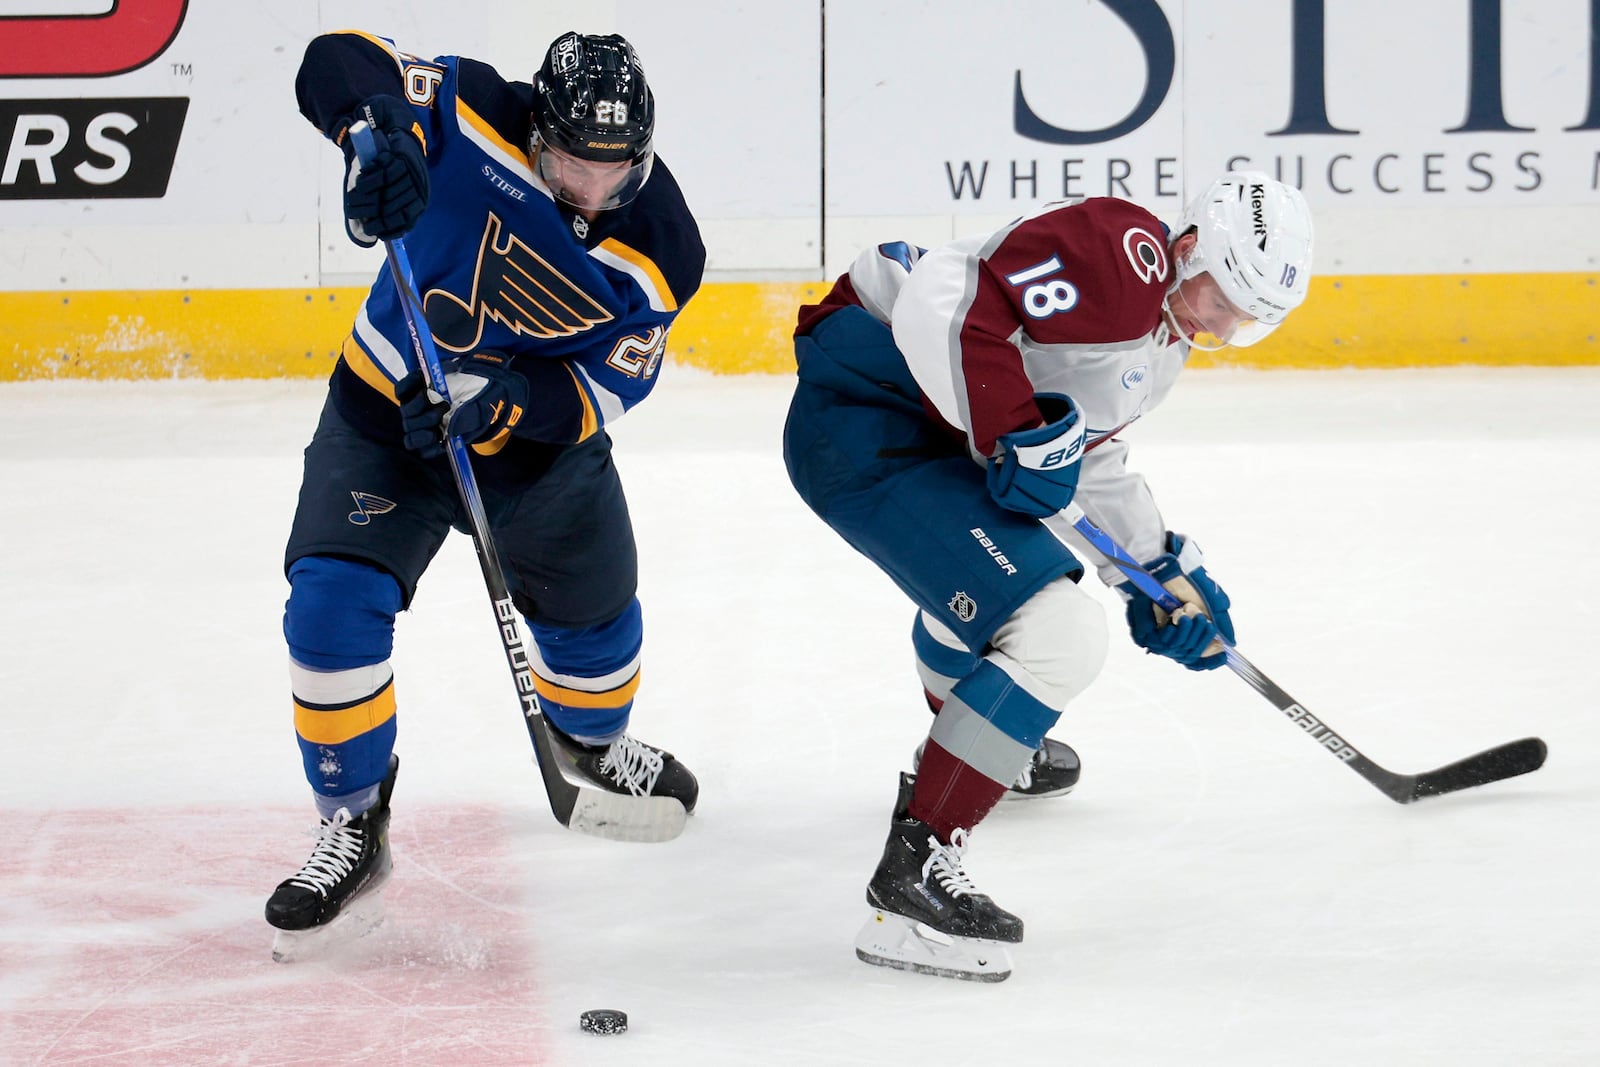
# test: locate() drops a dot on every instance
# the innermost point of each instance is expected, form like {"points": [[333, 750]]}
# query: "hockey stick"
{"points": [[1491, 765], [579, 807]]}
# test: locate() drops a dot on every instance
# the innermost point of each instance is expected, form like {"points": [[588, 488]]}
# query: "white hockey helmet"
{"points": [[1253, 236]]}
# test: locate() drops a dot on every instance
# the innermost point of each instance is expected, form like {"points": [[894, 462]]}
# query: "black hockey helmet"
{"points": [[592, 103]]}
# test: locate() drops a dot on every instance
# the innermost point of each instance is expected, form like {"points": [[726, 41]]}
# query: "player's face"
{"points": [[1201, 309], [582, 183]]}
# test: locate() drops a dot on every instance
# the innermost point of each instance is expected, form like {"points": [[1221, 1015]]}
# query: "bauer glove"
{"points": [[1036, 471], [383, 199], [1195, 634], [487, 401]]}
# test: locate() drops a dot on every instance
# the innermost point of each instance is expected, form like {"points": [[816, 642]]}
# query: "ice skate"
{"points": [[335, 898], [640, 792], [1052, 771], [927, 915]]}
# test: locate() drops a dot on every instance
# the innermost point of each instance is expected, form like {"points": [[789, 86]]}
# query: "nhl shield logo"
{"points": [[965, 607]]}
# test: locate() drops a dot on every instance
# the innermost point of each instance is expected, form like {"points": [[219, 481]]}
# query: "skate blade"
{"points": [[1011, 795], [619, 817], [359, 918], [890, 940]]}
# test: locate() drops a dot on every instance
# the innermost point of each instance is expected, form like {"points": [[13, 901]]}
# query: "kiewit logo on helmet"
{"points": [[1258, 203]]}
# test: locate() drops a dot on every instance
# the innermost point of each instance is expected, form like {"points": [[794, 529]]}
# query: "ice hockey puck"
{"points": [[604, 1021]]}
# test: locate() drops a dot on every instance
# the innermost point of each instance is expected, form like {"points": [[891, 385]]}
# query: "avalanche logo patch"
{"points": [[1147, 255]]}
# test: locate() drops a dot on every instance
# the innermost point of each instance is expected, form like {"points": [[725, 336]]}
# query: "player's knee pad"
{"points": [[340, 613], [1057, 641]]}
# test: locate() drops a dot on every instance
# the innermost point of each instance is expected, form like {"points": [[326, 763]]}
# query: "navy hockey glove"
{"points": [[487, 400], [1195, 635], [421, 416], [1036, 471], [385, 198]]}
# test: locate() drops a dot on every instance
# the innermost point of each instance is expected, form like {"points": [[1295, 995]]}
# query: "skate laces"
{"points": [[632, 764], [1025, 779], [338, 848], [945, 864]]}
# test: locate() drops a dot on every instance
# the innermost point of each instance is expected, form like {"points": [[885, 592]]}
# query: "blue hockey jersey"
{"points": [[582, 308]]}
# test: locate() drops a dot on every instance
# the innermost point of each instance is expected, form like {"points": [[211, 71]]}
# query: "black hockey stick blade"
{"points": [[595, 811], [1491, 765]]}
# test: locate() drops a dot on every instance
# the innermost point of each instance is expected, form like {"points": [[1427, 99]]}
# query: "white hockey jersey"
{"points": [[1065, 300]]}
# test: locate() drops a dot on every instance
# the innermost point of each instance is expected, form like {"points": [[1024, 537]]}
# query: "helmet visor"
{"points": [[589, 185], [1213, 319]]}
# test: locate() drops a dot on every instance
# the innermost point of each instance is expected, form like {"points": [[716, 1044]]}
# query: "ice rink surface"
{"points": [[1412, 555]]}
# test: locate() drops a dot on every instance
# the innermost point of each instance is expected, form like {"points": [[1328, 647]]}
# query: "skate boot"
{"points": [[928, 917], [335, 896], [628, 766], [1051, 772]]}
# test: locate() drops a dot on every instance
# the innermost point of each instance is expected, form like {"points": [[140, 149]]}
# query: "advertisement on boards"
{"points": [[1359, 103]]}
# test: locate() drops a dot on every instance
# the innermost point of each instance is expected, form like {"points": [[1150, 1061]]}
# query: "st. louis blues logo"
{"points": [[367, 506], [516, 287]]}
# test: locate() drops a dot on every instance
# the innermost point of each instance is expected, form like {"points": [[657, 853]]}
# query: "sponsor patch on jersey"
{"points": [[1147, 255]]}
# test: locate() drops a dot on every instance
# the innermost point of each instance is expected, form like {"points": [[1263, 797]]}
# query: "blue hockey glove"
{"points": [[487, 400], [384, 199], [1195, 636], [1036, 471]]}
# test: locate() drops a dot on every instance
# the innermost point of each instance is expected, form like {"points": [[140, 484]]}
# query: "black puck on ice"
{"points": [[604, 1021]]}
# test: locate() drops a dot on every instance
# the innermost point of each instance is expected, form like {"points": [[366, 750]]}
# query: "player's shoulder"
{"points": [[490, 102], [658, 229], [1086, 270], [1122, 238]]}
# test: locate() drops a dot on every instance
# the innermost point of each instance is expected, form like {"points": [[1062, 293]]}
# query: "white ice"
{"points": [[1410, 554]]}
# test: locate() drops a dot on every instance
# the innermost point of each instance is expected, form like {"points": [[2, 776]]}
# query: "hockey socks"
{"points": [[981, 739]]}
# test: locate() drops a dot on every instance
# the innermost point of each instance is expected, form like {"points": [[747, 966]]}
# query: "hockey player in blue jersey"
{"points": [[552, 251]]}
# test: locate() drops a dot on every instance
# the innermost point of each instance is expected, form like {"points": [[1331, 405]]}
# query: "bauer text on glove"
{"points": [[1194, 635], [1036, 471]]}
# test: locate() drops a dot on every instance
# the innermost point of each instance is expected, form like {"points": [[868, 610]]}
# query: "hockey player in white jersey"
{"points": [[950, 400]]}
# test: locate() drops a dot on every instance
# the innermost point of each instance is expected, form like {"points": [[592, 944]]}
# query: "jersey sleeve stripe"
{"points": [[591, 419], [357, 359], [477, 130], [383, 358], [640, 268]]}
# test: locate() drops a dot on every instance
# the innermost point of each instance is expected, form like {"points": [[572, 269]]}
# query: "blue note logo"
{"points": [[367, 506]]}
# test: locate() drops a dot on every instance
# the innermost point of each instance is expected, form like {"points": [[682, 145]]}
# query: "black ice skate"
{"points": [[1051, 772], [640, 792], [928, 916], [335, 896]]}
